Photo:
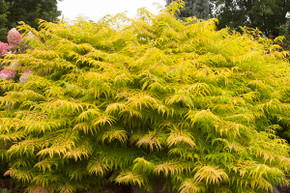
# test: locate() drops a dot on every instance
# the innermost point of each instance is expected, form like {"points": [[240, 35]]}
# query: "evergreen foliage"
{"points": [[197, 8], [285, 31], [148, 98], [3, 19]]}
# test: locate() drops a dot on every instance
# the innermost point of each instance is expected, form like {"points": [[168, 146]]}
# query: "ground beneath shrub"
{"points": [[7, 183], [10, 186]]}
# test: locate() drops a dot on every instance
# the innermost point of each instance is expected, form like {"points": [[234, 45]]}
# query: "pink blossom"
{"points": [[14, 38], [7, 74], [29, 36], [9, 105], [3, 48], [27, 71], [24, 76]]}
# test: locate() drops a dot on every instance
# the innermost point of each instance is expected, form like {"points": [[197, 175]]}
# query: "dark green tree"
{"points": [[3, 20], [266, 15], [198, 8], [29, 11], [285, 31]]}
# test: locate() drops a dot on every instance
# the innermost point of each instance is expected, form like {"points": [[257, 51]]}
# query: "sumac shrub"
{"points": [[130, 101]]}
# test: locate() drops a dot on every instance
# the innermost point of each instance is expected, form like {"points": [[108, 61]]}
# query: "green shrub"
{"points": [[132, 100]]}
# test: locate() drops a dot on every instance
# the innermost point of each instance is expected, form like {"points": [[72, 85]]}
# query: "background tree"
{"points": [[3, 20], [198, 8], [285, 31], [266, 15], [29, 11]]}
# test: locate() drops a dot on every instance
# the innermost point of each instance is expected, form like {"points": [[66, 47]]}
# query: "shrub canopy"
{"points": [[133, 100]]}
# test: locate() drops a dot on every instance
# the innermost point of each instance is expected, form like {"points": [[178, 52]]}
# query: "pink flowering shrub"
{"points": [[7, 74], [24, 76], [14, 39], [3, 48], [14, 46]]}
